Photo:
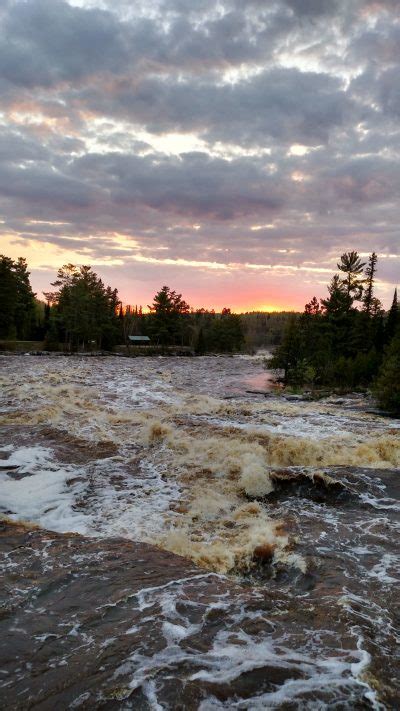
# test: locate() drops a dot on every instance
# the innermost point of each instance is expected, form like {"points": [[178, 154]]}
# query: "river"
{"points": [[178, 535]]}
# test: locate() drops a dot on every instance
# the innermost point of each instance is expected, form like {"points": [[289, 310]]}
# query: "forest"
{"points": [[346, 340], [343, 341], [81, 313]]}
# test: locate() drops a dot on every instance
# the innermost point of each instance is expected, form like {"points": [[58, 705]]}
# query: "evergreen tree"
{"points": [[387, 388], [47, 311], [86, 310], [167, 321], [8, 298], [17, 300], [352, 266], [313, 308], [25, 307], [289, 353], [225, 333], [379, 332], [200, 347], [393, 319], [339, 300], [368, 297], [337, 345]]}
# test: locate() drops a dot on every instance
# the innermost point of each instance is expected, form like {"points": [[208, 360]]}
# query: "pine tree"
{"points": [[393, 319], [337, 345], [167, 321], [86, 310], [8, 297], [47, 311], [368, 297], [351, 264], [17, 300], [313, 308], [225, 333], [339, 300], [387, 389], [289, 353], [25, 307]]}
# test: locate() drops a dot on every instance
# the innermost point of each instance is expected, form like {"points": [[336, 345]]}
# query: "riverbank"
{"points": [[38, 348]]}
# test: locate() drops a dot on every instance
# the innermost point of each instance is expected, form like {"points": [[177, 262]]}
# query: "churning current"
{"points": [[177, 535]]}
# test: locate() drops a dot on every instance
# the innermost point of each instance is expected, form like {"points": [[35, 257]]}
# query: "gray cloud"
{"points": [[45, 43], [313, 8], [91, 93], [283, 104]]}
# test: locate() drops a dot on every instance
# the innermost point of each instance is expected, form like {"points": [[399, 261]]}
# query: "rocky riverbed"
{"points": [[172, 538]]}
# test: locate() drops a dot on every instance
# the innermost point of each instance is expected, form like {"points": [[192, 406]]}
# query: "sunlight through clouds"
{"points": [[250, 131]]}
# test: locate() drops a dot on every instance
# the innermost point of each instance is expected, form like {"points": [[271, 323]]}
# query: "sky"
{"points": [[231, 150]]}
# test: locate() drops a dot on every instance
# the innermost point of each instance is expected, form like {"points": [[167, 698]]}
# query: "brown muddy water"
{"points": [[172, 539]]}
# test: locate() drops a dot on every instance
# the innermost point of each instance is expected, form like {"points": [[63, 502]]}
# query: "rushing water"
{"points": [[286, 513]]}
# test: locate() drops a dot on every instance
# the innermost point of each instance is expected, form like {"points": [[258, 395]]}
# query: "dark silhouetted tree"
{"points": [[86, 310], [17, 300], [289, 354], [393, 319], [387, 388], [167, 322], [313, 307], [352, 266], [339, 300], [368, 296]]}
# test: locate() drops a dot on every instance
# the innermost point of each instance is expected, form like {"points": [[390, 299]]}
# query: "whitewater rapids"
{"points": [[187, 455]]}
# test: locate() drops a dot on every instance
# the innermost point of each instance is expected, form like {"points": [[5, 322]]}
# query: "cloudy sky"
{"points": [[230, 149]]}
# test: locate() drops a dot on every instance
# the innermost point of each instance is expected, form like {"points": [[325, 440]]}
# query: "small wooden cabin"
{"points": [[139, 340]]}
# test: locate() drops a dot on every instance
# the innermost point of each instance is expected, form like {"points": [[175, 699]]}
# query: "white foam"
{"points": [[380, 570], [335, 674], [43, 495]]}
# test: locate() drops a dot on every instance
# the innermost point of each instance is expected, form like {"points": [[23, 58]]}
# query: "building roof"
{"points": [[139, 339]]}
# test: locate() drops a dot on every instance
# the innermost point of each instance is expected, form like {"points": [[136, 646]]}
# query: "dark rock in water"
{"points": [[258, 392], [316, 486], [111, 624], [263, 552], [68, 610]]}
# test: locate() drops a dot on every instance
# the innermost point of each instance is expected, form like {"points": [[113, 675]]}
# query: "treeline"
{"points": [[264, 330], [82, 313], [345, 340], [204, 330], [171, 322]]}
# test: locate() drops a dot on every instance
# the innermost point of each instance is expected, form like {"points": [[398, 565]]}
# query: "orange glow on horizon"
{"points": [[246, 308], [266, 308]]}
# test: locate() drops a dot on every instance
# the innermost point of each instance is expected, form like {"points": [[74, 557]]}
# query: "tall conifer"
{"points": [[369, 283], [393, 319], [352, 266]]}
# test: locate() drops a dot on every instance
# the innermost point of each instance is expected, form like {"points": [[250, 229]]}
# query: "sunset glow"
{"points": [[219, 150]]}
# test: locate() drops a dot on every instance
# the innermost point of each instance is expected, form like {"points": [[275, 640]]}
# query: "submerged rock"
{"points": [[97, 623]]}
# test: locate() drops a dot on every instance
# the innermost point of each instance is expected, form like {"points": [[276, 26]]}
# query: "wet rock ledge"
{"points": [[67, 604]]}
